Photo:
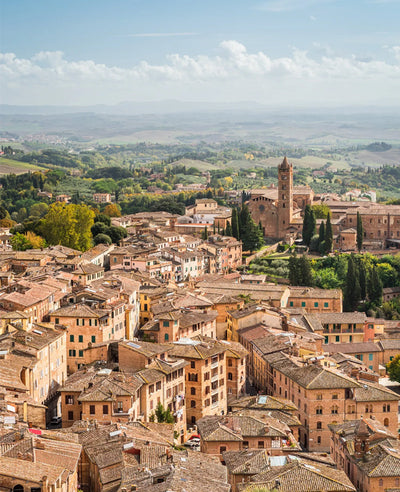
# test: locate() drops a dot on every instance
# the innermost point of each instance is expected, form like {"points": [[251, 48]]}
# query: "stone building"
{"points": [[279, 210]]}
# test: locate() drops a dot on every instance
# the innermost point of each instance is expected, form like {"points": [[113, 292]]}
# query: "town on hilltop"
{"points": [[235, 347]]}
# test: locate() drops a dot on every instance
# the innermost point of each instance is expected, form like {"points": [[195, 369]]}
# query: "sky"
{"points": [[280, 53]]}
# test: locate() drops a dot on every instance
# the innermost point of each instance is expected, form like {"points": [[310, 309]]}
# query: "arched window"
{"points": [[319, 425], [192, 404], [192, 391], [318, 410], [18, 488], [334, 409], [166, 337], [230, 362], [386, 422], [230, 376]]}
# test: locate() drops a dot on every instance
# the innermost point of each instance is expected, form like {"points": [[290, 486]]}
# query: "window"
{"points": [[334, 397], [192, 364], [80, 339], [318, 410], [70, 415], [319, 397], [222, 449], [192, 391], [315, 304], [230, 362], [72, 353], [303, 303], [386, 422], [337, 338], [92, 409], [57, 321], [71, 338], [166, 324], [319, 440], [319, 425], [93, 338], [69, 400], [158, 385], [334, 410], [326, 304], [245, 444], [380, 482], [81, 353], [105, 409], [192, 377], [230, 376], [370, 357], [192, 404], [260, 444]]}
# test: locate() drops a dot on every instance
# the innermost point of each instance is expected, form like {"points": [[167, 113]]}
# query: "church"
{"points": [[280, 210]]}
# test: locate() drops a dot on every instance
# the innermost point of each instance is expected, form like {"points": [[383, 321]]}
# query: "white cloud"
{"points": [[49, 78]]}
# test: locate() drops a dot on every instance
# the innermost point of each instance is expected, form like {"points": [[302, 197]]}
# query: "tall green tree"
{"points": [[235, 224], [228, 229], [309, 224], [205, 233], [375, 288], [360, 232], [321, 233], [306, 271], [352, 292], [328, 235], [362, 275]]}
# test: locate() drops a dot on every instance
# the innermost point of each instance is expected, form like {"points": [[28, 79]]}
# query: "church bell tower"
{"points": [[285, 197]]}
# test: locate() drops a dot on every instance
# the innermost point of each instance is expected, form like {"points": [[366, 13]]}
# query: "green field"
{"points": [[9, 166]]}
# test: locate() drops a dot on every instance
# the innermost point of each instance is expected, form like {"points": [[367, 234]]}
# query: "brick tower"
{"points": [[285, 196]]}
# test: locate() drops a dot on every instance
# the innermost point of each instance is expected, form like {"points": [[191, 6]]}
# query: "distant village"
{"points": [[159, 365]]}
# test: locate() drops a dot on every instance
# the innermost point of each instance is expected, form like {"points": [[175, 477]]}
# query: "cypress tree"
{"points": [[228, 230], [360, 232], [205, 233], [328, 235], [321, 232], [352, 293], [306, 271], [362, 275], [375, 288], [309, 223], [235, 224], [294, 274]]}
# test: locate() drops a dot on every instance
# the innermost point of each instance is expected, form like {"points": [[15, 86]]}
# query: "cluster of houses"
{"points": [[157, 366]]}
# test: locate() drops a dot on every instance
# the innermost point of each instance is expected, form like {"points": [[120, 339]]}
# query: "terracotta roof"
{"points": [[330, 318], [246, 462], [310, 376], [301, 476]]}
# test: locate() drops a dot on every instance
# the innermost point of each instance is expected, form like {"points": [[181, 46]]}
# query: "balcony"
{"points": [[214, 365], [214, 378], [214, 405]]}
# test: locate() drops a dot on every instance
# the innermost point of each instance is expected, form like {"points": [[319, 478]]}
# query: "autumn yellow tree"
{"points": [[112, 210], [69, 225]]}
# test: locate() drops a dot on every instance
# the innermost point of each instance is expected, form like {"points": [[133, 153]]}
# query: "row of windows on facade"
{"points": [[303, 304]]}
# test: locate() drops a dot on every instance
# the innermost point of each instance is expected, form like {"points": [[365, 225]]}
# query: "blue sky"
{"points": [[279, 52]]}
